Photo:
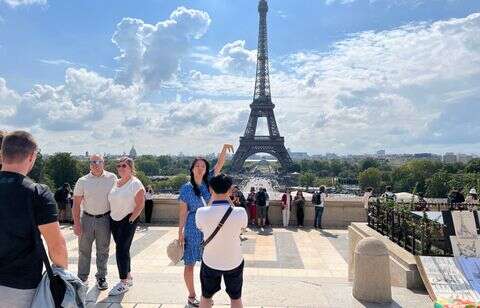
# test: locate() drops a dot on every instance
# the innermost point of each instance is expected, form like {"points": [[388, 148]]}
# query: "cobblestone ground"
{"points": [[284, 268]]}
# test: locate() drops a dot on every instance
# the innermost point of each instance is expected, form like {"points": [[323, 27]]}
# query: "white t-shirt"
{"points": [[95, 190], [122, 199], [224, 252]]}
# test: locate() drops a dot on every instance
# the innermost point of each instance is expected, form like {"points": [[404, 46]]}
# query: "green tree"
{"points": [[437, 185], [143, 178], [62, 168], [307, 179], [473, 166], [38, 171], [368, 163], [148, 165], [370, 178]]}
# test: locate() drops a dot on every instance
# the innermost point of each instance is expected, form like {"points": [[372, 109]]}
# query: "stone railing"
{"points": [[337, 213]]}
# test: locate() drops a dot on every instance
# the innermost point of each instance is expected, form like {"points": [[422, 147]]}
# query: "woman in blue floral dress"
{"points": [[193, 195]]}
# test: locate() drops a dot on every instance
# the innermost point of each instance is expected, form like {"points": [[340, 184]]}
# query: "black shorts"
{"points": [[211, 279]]}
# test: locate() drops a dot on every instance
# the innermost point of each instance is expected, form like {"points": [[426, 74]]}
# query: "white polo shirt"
{"points": [[95, 190], [224, 252]]}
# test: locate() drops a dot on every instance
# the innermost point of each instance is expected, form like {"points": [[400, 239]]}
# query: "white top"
{"points": [[224, 252], [148, 196], [94, 190], [122, 199]]}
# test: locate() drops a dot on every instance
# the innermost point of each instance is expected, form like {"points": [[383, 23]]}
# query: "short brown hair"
{"points": [[17, 146]]}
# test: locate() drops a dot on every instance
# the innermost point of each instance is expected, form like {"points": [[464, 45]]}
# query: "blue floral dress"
{"points": [[193, 236]]}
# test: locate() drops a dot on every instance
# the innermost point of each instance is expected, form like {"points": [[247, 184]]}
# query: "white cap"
{"points": [[473, 191]]}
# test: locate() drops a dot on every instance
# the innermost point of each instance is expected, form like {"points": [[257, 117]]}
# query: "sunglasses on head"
{"points": [[122, 166], [96, 162]]}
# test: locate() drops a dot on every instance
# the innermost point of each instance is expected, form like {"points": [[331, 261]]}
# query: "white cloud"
{"points": [[57, 62], [84, 98], [386, 89], [235, 58], [151, 54], [15, 3]]}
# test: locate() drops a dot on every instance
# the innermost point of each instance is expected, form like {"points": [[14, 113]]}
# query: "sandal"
{"points": [[193, 302]]}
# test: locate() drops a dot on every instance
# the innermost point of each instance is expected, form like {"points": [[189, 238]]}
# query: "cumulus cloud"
{"points": [[83, 98], [235, 58], [151, 54], [15, 3], [8, 99], [389, 87]]}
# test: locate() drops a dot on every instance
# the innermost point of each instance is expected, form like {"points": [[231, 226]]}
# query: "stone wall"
{"points": [[403, 267], [337, 213]]}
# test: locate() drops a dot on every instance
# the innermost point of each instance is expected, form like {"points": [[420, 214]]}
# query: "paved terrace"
{"points": [[284, 268]]}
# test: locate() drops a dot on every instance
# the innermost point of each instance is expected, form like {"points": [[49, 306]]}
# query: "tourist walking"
{"points": [[148, 204], [261, 203], [472, 197], [252, 206], [222, 254], [24, 206], [127, 199], [286, 207], [194, 195], [299, 203], [62, 197], [318, 200], [91, 195]]}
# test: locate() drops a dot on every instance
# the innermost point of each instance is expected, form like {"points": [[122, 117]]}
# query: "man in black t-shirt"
{"points": [[21, 202]]}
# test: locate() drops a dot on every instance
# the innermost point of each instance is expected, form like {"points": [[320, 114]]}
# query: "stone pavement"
{"points": [[284, 268]]}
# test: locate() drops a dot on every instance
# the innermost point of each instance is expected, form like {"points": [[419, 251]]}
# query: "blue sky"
{"points": [[344, 77]]}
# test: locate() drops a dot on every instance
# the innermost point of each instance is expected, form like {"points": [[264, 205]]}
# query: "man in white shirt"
{"points": [[222, 256], [91, 195]]}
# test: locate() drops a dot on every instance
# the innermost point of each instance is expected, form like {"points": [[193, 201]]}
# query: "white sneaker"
{"points": [[118, 289], [130, 282]]}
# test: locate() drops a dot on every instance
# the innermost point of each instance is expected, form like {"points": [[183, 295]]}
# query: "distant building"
{"points": [[299, 155], [87, 154], [465, 158], [133, 153], [381, 154], [450, 158]]}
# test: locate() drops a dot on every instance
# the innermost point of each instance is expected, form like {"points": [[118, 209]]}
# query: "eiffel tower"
{"points": [[262, 106]]}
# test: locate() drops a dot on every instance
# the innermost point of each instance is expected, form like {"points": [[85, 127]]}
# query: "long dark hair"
{"points": [[196, 189]]}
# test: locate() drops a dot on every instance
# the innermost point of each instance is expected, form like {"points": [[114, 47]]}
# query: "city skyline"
{"points": [[347, 76]]}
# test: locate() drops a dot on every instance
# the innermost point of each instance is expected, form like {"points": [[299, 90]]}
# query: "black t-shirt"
{"points": [[20, 261]]}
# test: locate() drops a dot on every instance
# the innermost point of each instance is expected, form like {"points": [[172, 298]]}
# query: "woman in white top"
{"points": [[148, 204], [127, 199]]}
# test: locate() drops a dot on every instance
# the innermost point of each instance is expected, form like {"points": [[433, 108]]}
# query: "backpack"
{"points": [[261, 199]]}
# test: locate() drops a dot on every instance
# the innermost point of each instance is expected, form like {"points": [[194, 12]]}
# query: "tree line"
{"points": [[432, 178]]}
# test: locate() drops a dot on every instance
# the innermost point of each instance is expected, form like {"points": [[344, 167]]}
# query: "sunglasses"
{"points": [[122, 166], [96, 162]]}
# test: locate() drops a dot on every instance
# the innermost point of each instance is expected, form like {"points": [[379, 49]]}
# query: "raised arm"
{"points": [[222, 158]]}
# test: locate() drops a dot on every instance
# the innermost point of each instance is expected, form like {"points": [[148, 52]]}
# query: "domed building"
{"points": [[133, 153]]}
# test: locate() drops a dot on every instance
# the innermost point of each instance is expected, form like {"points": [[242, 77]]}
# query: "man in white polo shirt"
{"points": [[222, 256], [91, 193]]}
